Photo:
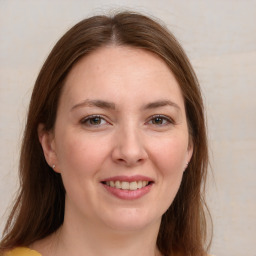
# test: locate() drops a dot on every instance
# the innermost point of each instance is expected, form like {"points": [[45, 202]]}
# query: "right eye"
{"points": [[94, 120]]}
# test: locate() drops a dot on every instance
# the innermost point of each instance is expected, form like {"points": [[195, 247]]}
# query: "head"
{"points": [[182, 227]]}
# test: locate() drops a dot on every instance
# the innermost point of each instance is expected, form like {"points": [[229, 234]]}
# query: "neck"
{"points": [[93, 240], [90, 239]]}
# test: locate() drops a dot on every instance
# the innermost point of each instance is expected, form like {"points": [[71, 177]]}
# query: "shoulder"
{"points": [[22, 251]]}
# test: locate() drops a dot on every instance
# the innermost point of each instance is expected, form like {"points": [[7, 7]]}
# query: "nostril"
{"points": [[121, 160]]}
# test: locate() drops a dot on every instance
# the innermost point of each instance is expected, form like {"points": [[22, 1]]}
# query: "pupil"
{"points": [[95, 120], [158, 120]]}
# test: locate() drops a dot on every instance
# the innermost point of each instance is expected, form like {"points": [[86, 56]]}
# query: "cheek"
{"points": [[80, 155], [80, 161], [170, 155], [170, 161]]}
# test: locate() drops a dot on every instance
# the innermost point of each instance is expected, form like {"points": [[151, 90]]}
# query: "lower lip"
{"points": [[128, 194]]}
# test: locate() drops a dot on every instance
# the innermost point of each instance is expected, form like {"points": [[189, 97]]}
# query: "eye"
{"points": [[94, 120], [160, 120]]}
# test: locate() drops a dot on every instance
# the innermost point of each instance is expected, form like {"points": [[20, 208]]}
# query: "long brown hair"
{"points": [[39, 207]]}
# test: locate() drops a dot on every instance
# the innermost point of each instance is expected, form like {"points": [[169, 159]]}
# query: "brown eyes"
{"points": [[160, 120], [98, 121], [95, 120]]}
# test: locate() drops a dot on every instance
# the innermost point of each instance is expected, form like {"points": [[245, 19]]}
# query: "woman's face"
{"points": [[120, 140]]}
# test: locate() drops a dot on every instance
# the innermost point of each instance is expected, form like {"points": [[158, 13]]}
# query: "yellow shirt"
{"points": [[22, 251]]}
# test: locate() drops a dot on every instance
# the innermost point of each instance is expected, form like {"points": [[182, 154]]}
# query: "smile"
{"points": [[134, 185], [128, 188]]}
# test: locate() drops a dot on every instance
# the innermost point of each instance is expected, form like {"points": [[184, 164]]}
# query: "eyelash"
{"points": [[164, 118], [87, 119], [167, 119]]}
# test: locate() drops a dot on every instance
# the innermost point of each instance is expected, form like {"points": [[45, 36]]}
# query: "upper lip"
{"points": [[128, 178]]}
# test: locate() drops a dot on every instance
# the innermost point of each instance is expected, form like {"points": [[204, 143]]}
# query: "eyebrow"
{"points": [[95, 103], [109, 105], [161, 103]]}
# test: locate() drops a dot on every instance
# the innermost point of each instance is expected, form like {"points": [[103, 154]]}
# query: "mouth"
{"points": [[125, 185], [128, 188]]}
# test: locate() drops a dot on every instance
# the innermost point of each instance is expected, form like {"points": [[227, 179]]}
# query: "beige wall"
{"points": [[220, 38]]}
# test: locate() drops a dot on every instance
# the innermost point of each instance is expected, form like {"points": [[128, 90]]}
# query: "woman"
{"points": [[114, 155]]}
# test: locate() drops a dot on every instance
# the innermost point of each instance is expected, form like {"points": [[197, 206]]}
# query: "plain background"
{"points": [[219, 36]]}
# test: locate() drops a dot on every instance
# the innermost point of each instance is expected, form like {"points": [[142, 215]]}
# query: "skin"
{"points": [[126, 138]]}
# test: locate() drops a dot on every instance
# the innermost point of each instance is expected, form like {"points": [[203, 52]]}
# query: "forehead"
{"points": [[121, 72]]}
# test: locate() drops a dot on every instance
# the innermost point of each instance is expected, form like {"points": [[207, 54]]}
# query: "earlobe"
{"points": [[47, 142], [189, 154]]}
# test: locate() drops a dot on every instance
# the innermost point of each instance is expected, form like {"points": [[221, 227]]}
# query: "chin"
{"points": [[129, 220]]}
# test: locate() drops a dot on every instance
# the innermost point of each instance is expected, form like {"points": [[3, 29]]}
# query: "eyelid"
{"points": [[87, 118], [102, 117], [167, 118]]}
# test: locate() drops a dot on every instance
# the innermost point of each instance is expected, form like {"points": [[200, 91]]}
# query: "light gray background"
{"points": [[220, 39]]}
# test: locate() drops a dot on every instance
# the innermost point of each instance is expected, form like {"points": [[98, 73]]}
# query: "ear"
{"points": [[190, 151], [47, 142]]}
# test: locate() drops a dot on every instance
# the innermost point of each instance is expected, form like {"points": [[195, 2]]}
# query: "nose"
{"points": [[129, 149]]}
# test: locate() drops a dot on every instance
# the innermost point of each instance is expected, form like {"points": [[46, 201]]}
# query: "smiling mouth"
{"points": [[125, 185]]}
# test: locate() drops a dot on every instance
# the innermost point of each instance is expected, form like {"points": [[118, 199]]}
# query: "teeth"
{"points": [[118, 184], [125, 185], [134, 185]]}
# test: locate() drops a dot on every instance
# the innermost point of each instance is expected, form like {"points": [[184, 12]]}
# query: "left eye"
{"points": [[160, 120], [94, 121]]}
